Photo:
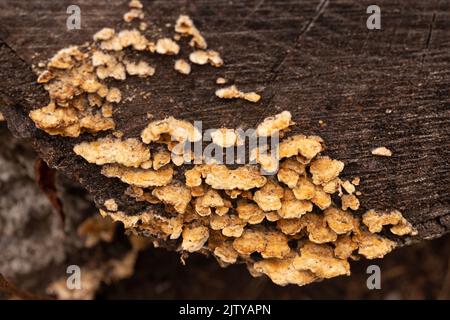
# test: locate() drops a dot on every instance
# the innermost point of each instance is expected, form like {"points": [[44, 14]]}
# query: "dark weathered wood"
{"points": [[316, 59]]}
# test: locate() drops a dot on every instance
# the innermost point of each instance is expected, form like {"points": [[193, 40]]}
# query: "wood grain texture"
{"points": [[316, 59]]}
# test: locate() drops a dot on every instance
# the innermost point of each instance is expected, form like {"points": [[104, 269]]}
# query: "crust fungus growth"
{"points": [[288, 217], [178, 129], [274, 124], [182, 66], [375, 221], [203, 57], [233, 92], [382, 151], [167, 46], [130, 152], [185, 26]]}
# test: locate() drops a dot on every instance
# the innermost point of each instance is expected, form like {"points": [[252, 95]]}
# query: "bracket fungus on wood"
{"points": [[298, 225]]}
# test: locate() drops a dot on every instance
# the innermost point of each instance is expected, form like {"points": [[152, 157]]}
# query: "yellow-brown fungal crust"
{"points": [[267, 161], [339, 221], [72, 73], [104, 34], [317, 229], [226, 253], [382, 151], [348, 187], [321, 199], [270, 244], [185, 26], [224, 137], [66, 58], [283, 272], [194, 238], [290, 171], [161, 157], [203, 57], [135, 4], [230, 225], [133, 14], [141, 69], [373, 246], [376, 220], [135, 11], [221, 80], [167, 46], [344, 247], [305, 189], [130, 152], [323, 170], [139, 195], [286, 215], [124, 39], [177, 129], [75, 93], [349, 201], [175, 194], [291, 226], [333, 186], [284, 202], [250, 212], [294, 208], [320, 260], [242, 178], [307, 147], [204, 203], [403, 228], [274, 124], [182, 66], [111, 205], [232, 92], [269, 197]]}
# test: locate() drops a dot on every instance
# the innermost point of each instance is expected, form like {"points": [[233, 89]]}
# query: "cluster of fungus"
{"points": [[81, 101], [286, 225], [297, 225]]}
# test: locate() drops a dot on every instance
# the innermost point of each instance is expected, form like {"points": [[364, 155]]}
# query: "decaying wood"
{"points": [[317, 59]]}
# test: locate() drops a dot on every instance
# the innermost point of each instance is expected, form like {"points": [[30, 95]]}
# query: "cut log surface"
{"points": [[316, 59]]}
